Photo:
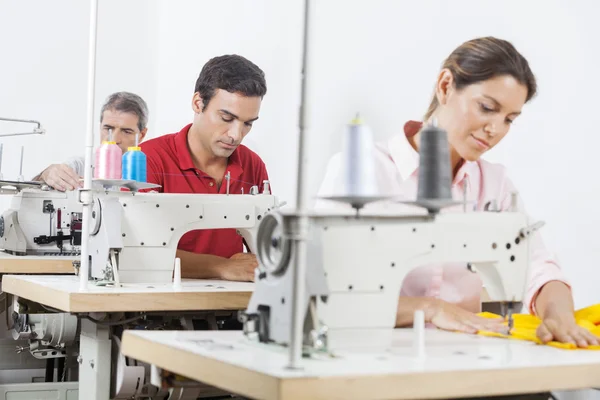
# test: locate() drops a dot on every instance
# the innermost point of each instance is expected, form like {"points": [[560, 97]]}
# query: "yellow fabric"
{"points": [[525, 327]]}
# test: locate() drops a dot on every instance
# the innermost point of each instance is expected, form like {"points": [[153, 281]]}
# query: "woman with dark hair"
{"points": [[479, 92]]}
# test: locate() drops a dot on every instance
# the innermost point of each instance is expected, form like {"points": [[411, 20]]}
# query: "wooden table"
{"points": [[62, 293], [368, 366], [10, 264]]}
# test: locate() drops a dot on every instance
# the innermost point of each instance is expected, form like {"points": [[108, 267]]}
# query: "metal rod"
{"points": [[1, 149], [29, 121], [49, 376], [21, 165], [20, 134], [299, 262], [60, 370], [89, 145], [36, 131]]}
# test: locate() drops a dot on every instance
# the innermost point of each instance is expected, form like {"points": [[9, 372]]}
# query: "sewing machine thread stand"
{"points": [[38, 130]]}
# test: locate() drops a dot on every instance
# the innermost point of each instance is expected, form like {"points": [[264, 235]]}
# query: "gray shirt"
{"points": [[77, 164]]}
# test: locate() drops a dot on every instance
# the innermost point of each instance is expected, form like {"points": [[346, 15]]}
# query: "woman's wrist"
{"points": [[408, 305], [554, 301], [430, 307]]}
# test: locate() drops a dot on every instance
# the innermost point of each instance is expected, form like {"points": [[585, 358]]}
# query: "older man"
{"points": [[126, 114]]}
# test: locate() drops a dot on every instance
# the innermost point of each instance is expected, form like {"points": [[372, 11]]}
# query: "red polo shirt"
{"points": [[170, 165]]}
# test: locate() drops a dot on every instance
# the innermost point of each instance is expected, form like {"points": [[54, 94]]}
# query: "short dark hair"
{"points": [[232, 73], [128, 103], [484, 58]]}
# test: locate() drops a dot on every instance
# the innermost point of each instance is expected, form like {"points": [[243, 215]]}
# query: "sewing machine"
{"points": [[134, 236], [359, 263], [358, 260], [133, 241], [42, 222]]}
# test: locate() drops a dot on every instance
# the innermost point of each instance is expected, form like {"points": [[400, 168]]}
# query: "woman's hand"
{"points": [[445, 316], [561, 327], [554, 305], [450, 317]]}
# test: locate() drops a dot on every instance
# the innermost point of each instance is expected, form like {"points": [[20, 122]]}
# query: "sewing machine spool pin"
{"points": [[419, 334], [228, 179]]}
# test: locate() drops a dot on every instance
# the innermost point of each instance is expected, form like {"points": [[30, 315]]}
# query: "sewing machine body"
{"points": [[42, 222], [356, 265], [139, 232]]}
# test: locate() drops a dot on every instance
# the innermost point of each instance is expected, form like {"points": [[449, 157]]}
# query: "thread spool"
{"points": [[435, 174], [134, 163], [108, 160], [358, 161]]}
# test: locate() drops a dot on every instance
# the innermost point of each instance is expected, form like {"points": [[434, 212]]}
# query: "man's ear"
{"points": [[143, 134], [197, 103], [444, 86]]}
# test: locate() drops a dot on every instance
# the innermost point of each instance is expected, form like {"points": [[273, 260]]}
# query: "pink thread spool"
{"points": [[108, 160]]}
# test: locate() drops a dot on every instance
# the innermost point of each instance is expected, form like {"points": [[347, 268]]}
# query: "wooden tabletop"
{"points": [[368, 367], [10, 264], [62, 293]]}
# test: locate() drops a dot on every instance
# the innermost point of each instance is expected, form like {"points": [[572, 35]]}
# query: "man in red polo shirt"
{"points": [[226, 102]]}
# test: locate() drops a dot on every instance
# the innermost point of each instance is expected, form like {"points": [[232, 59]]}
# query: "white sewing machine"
{"points": [[358, 261], [138, 233], [41, 222]]}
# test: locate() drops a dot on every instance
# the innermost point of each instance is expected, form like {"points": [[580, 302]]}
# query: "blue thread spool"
{"points": [[134, 164]]}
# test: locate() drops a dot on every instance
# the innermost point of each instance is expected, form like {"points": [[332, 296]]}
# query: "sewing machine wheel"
{"points": [[1, 226], [96, 217], [273, 248]]}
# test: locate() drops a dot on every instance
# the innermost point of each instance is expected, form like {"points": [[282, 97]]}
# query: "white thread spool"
{"points": [[177, 275], [419, 334], [358, 161]]}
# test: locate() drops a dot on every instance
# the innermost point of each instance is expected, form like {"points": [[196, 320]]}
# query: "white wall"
{"points": [[381, 58], [43, 73], [376, 57], [268, 33]]}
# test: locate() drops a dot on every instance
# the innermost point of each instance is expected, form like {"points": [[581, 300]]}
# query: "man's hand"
{"points": [[61, 177], [240, 267], [561, 327], [450, 317]]}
